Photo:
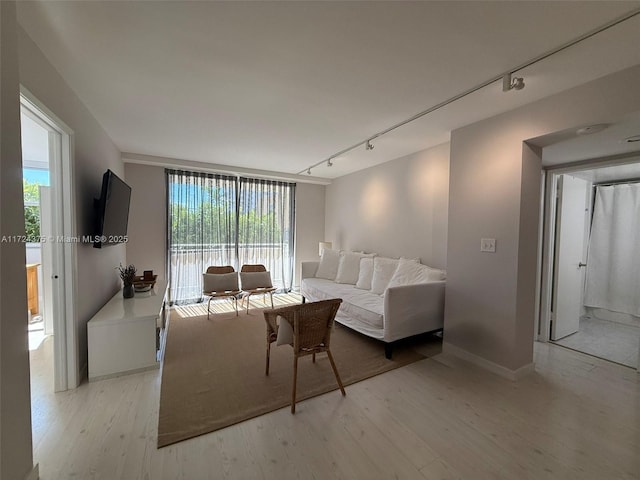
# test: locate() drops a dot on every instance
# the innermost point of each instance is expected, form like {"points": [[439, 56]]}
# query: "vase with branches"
{"points": [[127, 275]]}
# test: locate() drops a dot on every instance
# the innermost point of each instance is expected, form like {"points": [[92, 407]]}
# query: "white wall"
{"points": [[147, 219], [16, 457], [310, 214], [398, 208], [147, 231], [94, 153], [494, 192]]}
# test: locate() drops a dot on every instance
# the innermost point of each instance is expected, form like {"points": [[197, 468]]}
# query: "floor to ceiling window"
{"points": [[225, 220]]}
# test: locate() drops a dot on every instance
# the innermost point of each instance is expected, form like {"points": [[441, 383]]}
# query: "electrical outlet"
{"points": [[488, 245]]}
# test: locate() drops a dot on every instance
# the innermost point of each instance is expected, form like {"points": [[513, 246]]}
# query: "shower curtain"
{"points": [[613, 265]]}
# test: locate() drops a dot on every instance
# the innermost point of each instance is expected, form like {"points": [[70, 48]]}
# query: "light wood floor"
{"points": [[576, 417]]}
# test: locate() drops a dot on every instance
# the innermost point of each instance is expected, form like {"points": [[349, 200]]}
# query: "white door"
{"points": [[46, 231], [569, 257]]}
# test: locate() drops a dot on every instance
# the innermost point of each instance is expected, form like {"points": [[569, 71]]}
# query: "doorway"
{"points": [[583, 301], [37, 213], [50, 228]]}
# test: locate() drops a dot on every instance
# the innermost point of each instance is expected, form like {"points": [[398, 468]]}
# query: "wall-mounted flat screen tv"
{"points": [[112, 211]]}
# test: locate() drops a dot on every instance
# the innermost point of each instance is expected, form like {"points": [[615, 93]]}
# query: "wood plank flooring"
{"points": [[575, 417]]}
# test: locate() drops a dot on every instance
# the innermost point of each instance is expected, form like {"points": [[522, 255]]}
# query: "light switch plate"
{"points": [[488, 245]]}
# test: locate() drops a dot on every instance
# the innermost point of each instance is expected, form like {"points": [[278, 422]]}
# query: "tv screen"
{"points": [[112, 211]]}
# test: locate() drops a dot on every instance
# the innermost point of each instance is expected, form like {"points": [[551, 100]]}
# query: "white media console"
{"points": [[125, 335]]}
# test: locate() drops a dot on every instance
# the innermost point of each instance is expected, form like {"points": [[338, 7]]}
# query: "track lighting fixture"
{"points": [[515, 83], [329, 163], [509, 82]]}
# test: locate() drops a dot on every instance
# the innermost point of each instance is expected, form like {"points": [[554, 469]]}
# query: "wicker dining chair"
{"points": [[255, 280], [219, 283], [312, 323]]}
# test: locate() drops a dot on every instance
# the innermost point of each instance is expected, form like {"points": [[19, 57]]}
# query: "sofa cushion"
{"points": [[383, 270], [360, 305], [410, 273], [349, 267], [328, 268], [366, 273], [435, 274]]}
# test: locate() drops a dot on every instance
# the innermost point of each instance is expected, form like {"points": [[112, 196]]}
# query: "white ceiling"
{"points": [[279, 86], [569, 146], [614, 173]]}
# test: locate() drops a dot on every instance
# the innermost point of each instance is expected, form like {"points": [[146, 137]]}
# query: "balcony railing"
{"points": [[189, 261]]}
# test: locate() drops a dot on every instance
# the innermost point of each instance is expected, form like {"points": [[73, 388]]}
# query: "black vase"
{"points": [[128, 292]]}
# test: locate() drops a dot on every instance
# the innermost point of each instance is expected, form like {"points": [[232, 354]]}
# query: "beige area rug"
{"points": [[213, 370]]}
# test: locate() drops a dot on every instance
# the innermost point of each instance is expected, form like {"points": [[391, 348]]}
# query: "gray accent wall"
{"points": [[93, 153], [147, 245], [398, 208], [495, 193], [16, 457], [310, 214]]}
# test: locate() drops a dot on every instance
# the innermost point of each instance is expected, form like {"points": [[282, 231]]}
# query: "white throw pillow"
{"points": [[366, 273], [285, 332], [435, 274], [383, 270], [253, 280], [219, 282], [328, 267], [349, 267], [409, 273]]}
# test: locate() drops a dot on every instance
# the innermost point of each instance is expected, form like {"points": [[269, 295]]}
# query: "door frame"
{"points": [[545, 269], [61, 148]]}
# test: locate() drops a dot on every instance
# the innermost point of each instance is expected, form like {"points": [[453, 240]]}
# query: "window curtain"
{"points": [[266, 227], [201, 227], [225, 220], [613, 265]]}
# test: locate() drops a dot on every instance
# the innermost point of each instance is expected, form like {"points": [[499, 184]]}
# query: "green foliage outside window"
{"points": [[31, 191], [32, 223], [213, 222], [207, 226], [31, 212]]}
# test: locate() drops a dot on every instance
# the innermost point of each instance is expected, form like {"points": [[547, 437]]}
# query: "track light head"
{"points": [[369, 145], [329, 163], [515, 83], [308, 171]]}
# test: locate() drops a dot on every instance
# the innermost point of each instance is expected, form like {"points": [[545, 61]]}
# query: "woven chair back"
{"points": [[220, 270], [311, 321], [253, 268], [312, 324]]}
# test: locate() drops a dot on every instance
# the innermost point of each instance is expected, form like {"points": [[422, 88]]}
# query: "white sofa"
{"points": [[400, 312]]}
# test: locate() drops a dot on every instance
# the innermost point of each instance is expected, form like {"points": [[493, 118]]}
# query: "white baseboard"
{"points": [[487, 364], [34, 474], [126, 372]]}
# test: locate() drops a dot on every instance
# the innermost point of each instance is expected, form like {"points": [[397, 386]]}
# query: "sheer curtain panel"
{"points": [[266, 227], [201, 227], [223, 220]]}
